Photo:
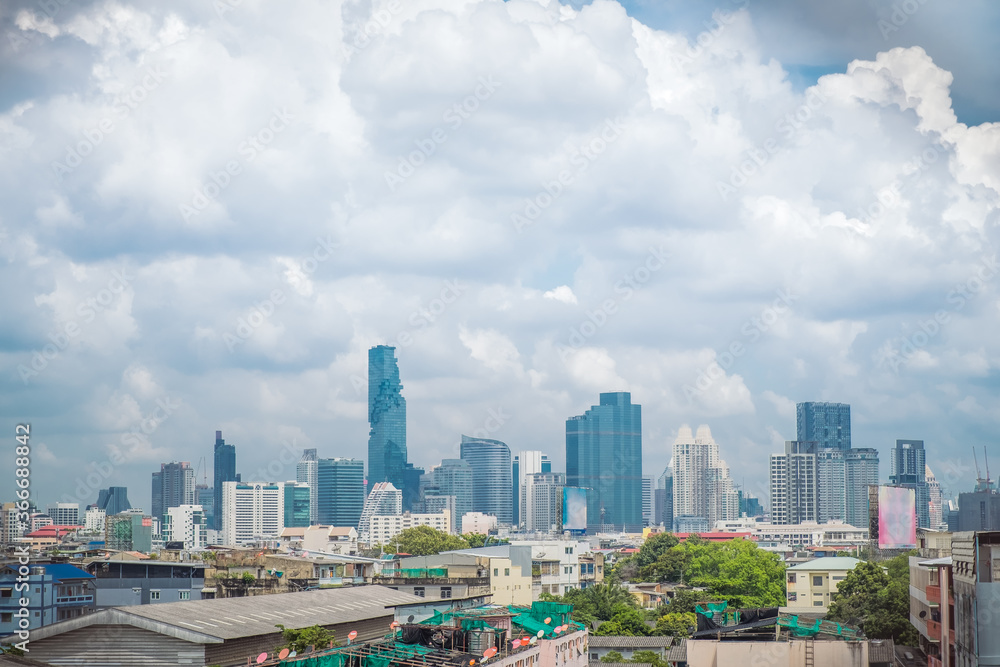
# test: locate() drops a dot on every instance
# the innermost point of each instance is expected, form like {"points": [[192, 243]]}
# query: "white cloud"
{"points": [[562, 293]]}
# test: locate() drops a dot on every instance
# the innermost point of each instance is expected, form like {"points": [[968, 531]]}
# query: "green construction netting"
{"points": [[557, 611], [334, 660], [420, 572], [375, 661], [437, 619], [476, 624], [532, 625], [384, 658], [799, 629], [711, 608]]}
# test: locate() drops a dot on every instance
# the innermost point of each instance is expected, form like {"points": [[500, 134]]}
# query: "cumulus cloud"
{"points": [[284, 189]]}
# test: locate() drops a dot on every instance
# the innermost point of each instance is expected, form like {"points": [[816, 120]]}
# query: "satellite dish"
{"points": [[547, 621], [284, 653], [410, 619], [293, 654], [923, 614], [262, 658], [515, 643], [352, 634], [490, 652], [534, 640], [540, 633]]}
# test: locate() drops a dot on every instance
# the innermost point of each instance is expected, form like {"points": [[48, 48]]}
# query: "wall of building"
{"points": [[508, 584], [115, 646], [568, 650], [712, 653]]}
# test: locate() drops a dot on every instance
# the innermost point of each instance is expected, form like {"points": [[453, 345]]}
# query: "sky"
{"points": [[212, 210]]}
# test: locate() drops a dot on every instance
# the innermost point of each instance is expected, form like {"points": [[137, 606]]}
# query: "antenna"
{"points": [[979, 478]]}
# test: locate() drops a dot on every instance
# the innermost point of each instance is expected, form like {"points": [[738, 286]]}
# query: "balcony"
{"points": [[75, 599], [933, 594], [934, 632]]}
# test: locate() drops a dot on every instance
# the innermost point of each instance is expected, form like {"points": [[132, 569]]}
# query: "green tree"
{"points": [[613, 656], [877, 600], [302, 638], [677, 624], [654, 547], [626, 621], [248, 578], [423, 541], [649, 657], [684, 601]]}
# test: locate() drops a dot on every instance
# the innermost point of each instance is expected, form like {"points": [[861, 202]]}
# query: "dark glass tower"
{"points": [[387, 417], [908, 468], [604, 456], [341, 491], [491, 472], [225, 471], [113, 500], [828, 424]]}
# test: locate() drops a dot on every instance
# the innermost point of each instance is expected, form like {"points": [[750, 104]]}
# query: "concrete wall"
{"points": [[568, 650], [834, 653]]}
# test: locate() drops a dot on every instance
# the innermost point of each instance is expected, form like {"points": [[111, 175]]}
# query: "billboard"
{"points": [[897, 518], [574, 509]]}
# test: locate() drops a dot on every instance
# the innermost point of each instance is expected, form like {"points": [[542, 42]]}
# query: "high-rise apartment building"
{"points": [[491, 473], [11, 528], [306, 471], [93, 520], [604, 456], [298, 505], [224, 471], [702, 486], [252, 511], [173, 486], [383, 500], [65, 514], [831, 479], [525, 464], [113, 500], [387, 418], [827, 424], [187, 524], [341, 492], [541, 502], [793, 481], [861, 472], [935, 511], [907, 468], [647, 500]]}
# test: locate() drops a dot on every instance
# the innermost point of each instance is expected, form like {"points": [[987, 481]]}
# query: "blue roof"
{"points": [[60, 571]]}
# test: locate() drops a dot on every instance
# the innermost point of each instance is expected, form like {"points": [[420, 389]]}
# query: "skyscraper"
{"points": [[383, 500], [828, 424], [907, 468], [665, 492], [341, 493], [541, 502], [411, 487], [647, 500], [205, 496], [793, 481], [526, 463], [491, 472], [452, 478], [831, 480], [306, 472], [935, 511], [604, 456], [224, 471], [862, 471], [113, 500], [702, 486], [387, 417], [65, 514], [173, 486]]}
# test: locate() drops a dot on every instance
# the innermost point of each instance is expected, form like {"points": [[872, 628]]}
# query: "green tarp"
{"points": [[709, 609]]}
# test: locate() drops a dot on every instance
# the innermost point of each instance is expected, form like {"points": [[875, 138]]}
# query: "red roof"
{"points": [[715, 537], [53, 531]]}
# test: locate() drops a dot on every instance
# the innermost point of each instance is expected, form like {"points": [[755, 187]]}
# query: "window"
{"points": [[506, 572], [817, 603], [496, 572], [837, 578], [593, 657], [7, 618], [792, 597], [418, 591], [791, 577], [445, 592], [817, 580], [154, 595], [184, 595], [6, 592]]}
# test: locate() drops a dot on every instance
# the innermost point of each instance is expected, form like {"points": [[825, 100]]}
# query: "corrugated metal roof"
{"points": [[828, 564], [623, 641], [60, 571], [214, 621], [881, 650], [678, 653]]}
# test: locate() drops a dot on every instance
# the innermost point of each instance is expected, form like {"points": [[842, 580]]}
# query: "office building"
{"points": [[935, 509], [173, 486], [341, 491], [793, 481], [387, 418], [702, 486], [252, 511], [491, 472], [647, 500], [750, 505], [907, 468], [831, 479], [187, 525], [204, 495], [307, 471], [979, 511], [298, 504], [827, 424], [665, 490], [224, 471], [604, 456], [11, 528], [452, 478], [411, 486], [438, 504], [385, 527], [113, 500], [383, 500], [541, 502], [534, 462], [64, 514], [861, 468], [129, 531]]}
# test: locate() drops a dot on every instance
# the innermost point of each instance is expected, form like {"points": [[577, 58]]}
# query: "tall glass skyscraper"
{"points": [[827, 424], [306, 470], [173, 486], [491, 477], [908, 467], [862, 471], [224, 471], [604, 455], [341, 494], [113, 500], [452, 478], [387, 417]]}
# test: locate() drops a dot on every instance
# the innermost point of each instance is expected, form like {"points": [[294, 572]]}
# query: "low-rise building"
{"points": [[975, 572], [385, 527], [812, 586], [477, 522], [591, 569], [125, 579], [441, 576], [55, 591], [627, 646], [327, 539]]}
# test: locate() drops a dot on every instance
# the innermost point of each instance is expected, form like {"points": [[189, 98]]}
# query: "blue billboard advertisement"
{"points": [[574, 509]]}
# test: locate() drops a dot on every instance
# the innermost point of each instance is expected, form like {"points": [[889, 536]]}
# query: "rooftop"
{"points": [[830, 563], [622, 641]]}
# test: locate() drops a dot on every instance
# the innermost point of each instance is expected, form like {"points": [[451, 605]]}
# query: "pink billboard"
{"points": [[897, 518]]}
